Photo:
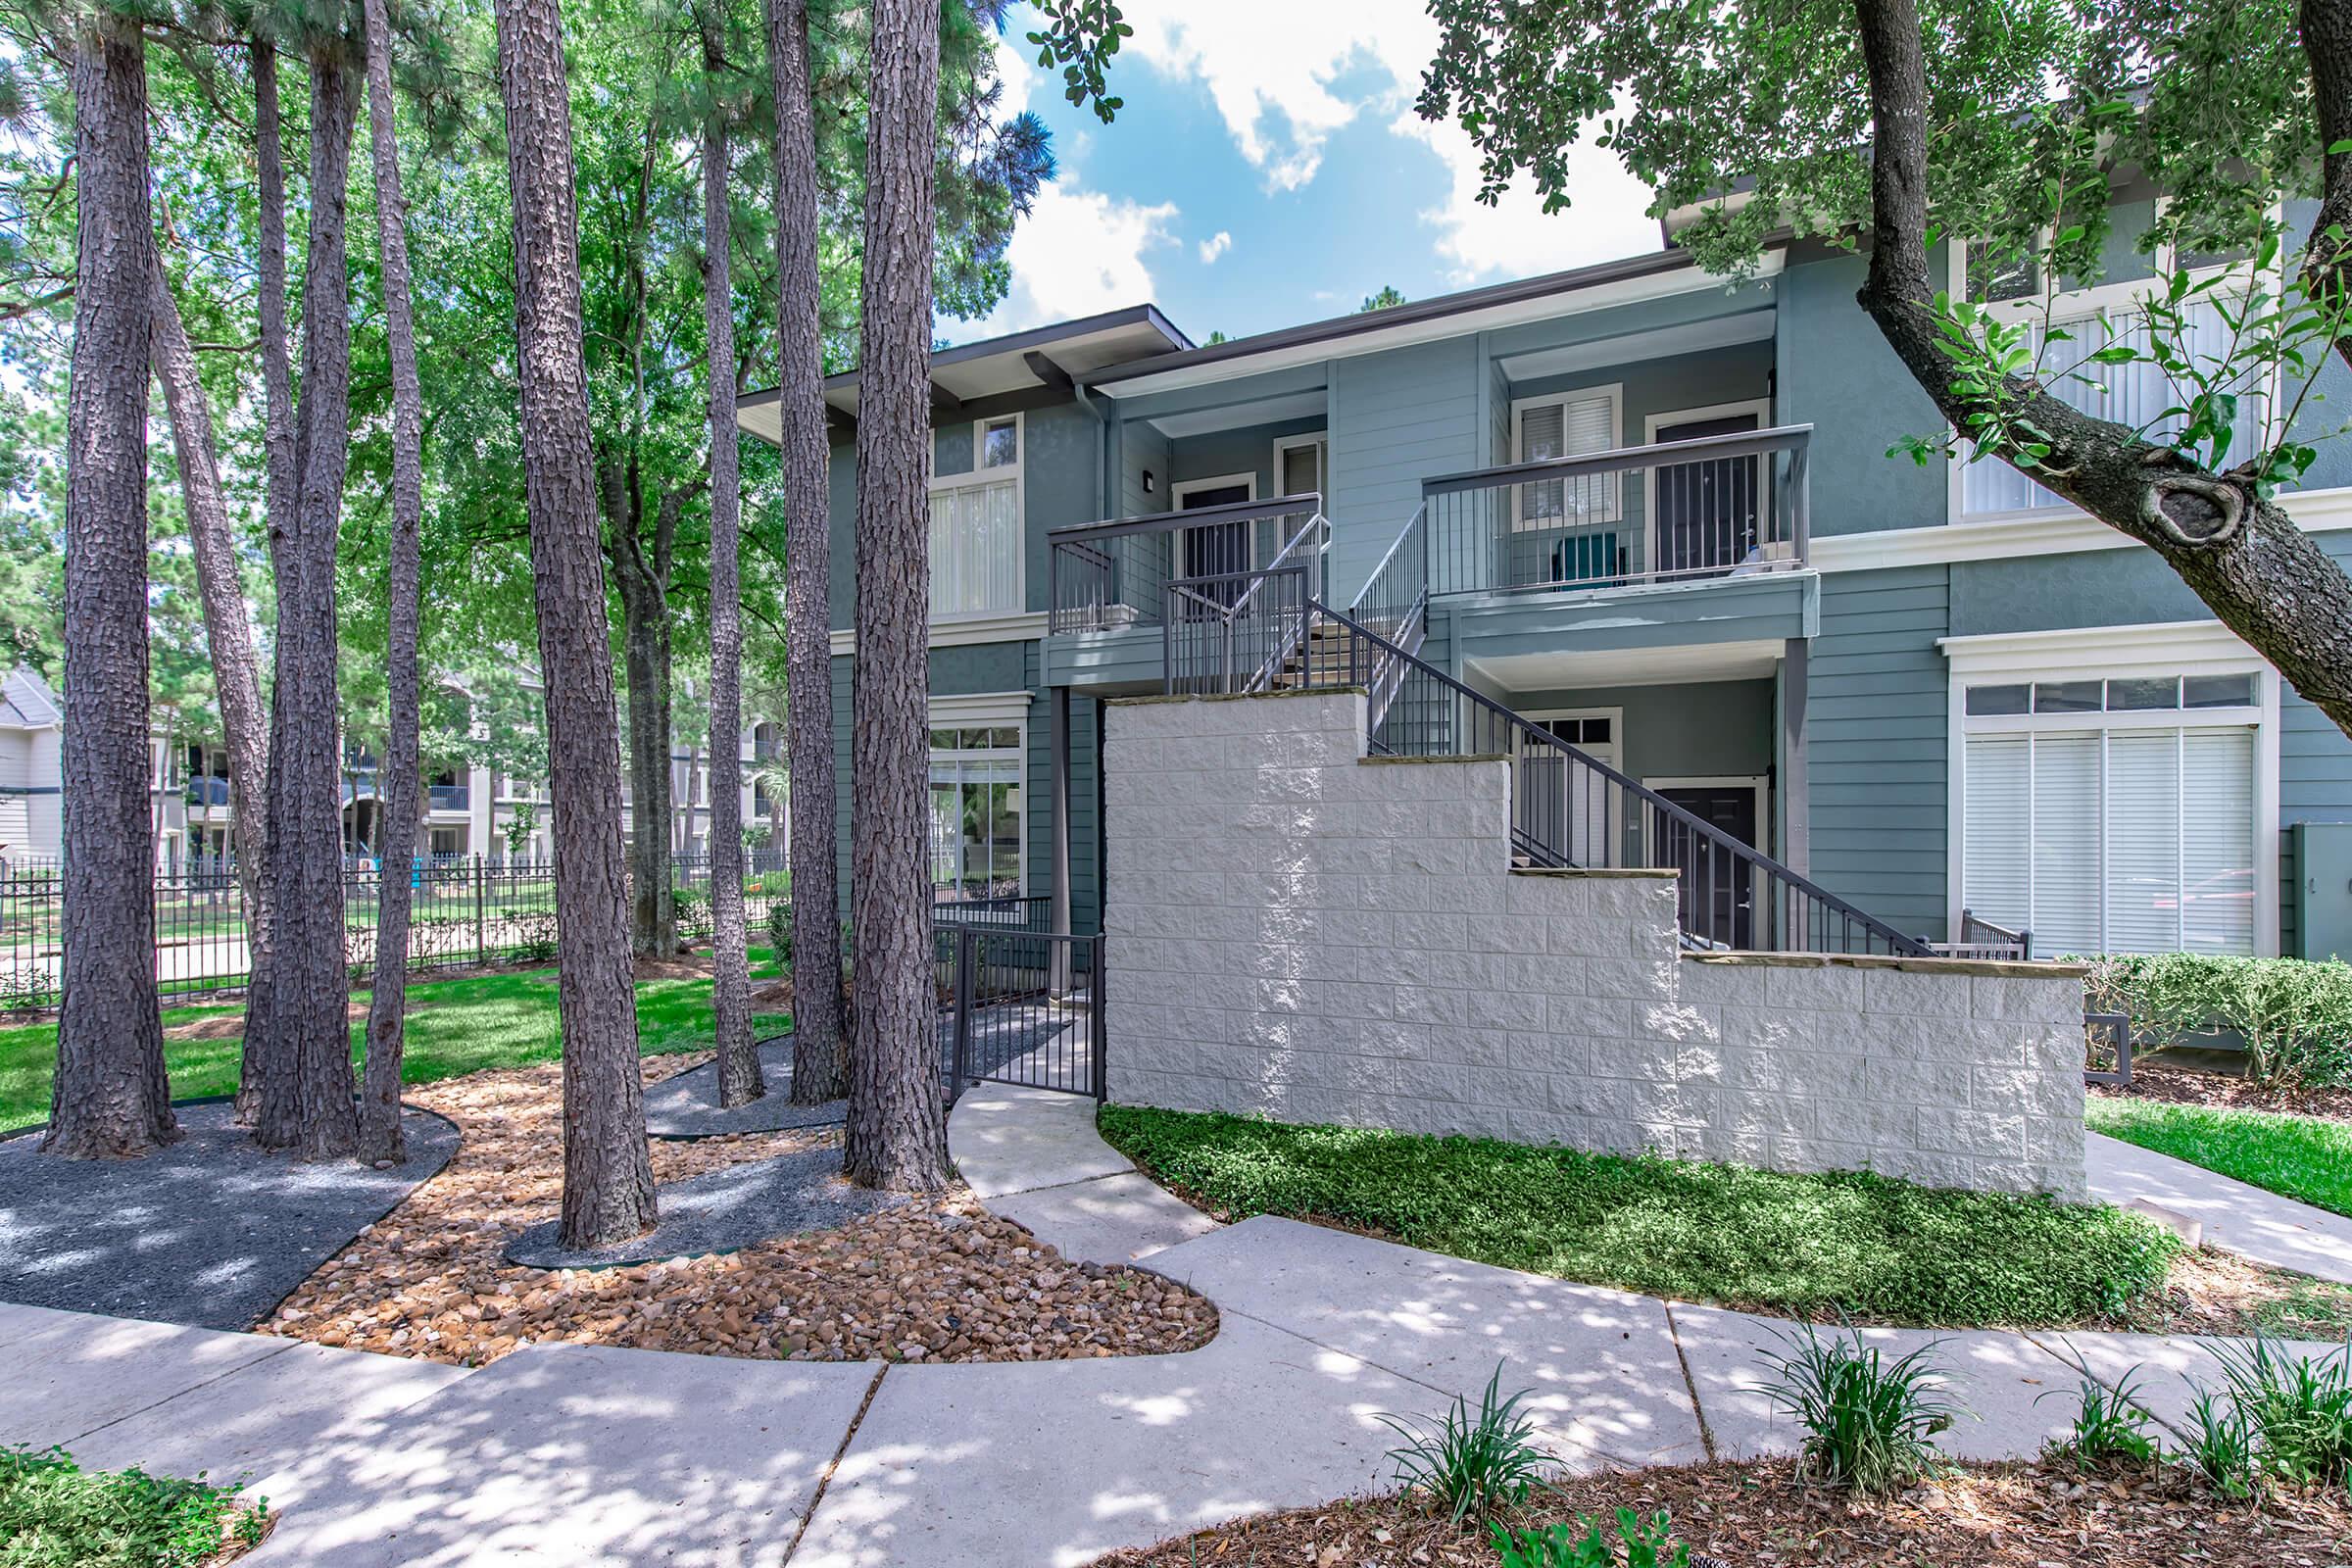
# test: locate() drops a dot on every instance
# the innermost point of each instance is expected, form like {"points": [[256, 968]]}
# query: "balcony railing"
{"points": [[208, 790], [448, 797], [1718, 506], [1107, 576]]}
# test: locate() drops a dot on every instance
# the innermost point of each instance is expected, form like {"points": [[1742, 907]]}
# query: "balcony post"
{"points": [[1800, 503], [1060, 731]]}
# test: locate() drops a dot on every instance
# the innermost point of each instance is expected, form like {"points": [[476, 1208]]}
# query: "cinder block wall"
{"points": [[1299, 931]]}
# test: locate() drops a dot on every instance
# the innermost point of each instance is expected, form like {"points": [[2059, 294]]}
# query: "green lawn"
{"points": [[1807, 1245], [454, 1027], [2303, 1157]]}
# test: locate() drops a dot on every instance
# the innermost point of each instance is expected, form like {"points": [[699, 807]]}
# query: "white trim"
{"points": [[1761, 407], [963, 631], [1659, 343], [1615, 749], [2042, 533], [1307, 438], [2162, 647], [1458, 323], [980, 709]]}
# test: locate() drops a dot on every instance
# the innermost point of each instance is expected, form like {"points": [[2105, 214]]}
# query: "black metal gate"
{"points": [[1022, 1008]]}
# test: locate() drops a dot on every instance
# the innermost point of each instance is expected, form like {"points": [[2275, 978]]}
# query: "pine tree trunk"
{"points": [[608, 1172], [895, 1134], [739, 1078], [227, 628], [819, 1045], [381, 1137], [306, 1098], [283, 480], [646, 648], [110, 1096]]}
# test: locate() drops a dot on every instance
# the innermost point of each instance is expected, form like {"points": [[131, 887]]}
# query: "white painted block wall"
{"points": [[1299, 931]]}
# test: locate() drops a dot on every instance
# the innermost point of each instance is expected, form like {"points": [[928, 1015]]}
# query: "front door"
{"points": [[1709, 515], [1217, 549], [1718, 888]]}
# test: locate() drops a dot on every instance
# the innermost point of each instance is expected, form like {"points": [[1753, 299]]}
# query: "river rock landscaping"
{"points": [[940, 1279], [1765, 1515]]}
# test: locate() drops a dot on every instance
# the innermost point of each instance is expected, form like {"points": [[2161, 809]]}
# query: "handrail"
{"points": [[1660, 454], [1071, 533], [1411, 523], [1259, 579], [1896, 942]]}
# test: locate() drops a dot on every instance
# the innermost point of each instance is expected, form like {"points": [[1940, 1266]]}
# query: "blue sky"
{"points": [[1267, 168]]}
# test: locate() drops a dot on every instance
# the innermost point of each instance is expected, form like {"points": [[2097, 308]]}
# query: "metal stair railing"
{"points": [[1237, 631], [1571, 809]]}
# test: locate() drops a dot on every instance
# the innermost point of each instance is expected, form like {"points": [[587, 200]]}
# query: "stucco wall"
{"points": [[1298, 931]]}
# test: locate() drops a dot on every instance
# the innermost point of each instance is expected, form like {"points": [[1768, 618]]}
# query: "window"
{"points": [[976, 812], [1567, 426], [2114, 816], [976, 527]]}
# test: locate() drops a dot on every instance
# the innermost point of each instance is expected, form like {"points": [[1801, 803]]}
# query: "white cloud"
{"points": [[1077, 253], [1287, 78], [1515, 237], [1214, 246]]}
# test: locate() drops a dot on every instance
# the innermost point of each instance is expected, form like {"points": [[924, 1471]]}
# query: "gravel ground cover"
{"points": [[723, 1210], [940, 1279], [686, 1104], [211, 1232], [1763, 1515]]}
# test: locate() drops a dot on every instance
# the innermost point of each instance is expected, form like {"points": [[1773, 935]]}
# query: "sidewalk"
{"points": [[576, 1456], [2242, 1219]]}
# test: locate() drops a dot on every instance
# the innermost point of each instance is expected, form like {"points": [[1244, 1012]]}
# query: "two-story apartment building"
{"points": [[1652, 511]]}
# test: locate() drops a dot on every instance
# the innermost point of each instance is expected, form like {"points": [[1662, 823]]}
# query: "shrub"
{"points": [[2295, 1014], [2298, 1411], [2109, 1424], [1469, 1464], [779, 932], [54, 1515], [27, 988], [1868, 1422], [1648, 1543], [693, 913], [533, 932]]}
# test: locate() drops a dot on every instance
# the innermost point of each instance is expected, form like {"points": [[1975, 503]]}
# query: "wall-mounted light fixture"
{"points": [[1146, 481]]}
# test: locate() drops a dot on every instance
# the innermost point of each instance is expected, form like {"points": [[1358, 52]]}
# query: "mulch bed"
{"points": [[939, 1280], [1762, 1515], [2186, 1086], [2215, 1293]]}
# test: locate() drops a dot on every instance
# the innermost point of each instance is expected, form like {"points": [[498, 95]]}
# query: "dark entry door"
{"points": [[1217, 549], [1718, 889], [1710, 515]]}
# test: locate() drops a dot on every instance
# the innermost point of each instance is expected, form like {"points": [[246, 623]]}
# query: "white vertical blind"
{"points": [[1568, 429], [976, 549], [2115, 839], [2135, 395]]}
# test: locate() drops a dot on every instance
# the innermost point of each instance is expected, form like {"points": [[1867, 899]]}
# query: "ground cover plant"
{"points": [[454, 1027], [2308, 1159], [1806, 1245], [55, 1514]]}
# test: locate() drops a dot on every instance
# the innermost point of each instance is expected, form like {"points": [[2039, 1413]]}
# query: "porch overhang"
{"points": [[1723, 628]]}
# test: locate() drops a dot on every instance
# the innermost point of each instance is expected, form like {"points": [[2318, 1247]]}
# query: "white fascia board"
{"points": [[964, 632], [1545, 308], [2054, 533]]}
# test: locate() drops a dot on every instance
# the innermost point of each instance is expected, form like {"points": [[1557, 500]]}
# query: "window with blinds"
{"points": [[1566, 427], [2137, 395], [2106, 836], [976, 549]]}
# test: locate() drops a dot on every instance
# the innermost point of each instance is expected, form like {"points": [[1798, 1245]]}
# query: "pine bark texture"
{"points": [[642, 577], [282, 483], [739, 1077], [819, 1044], [896, 1133], [2258, 573], [608, 1172], [381, 1137], [306, 1085], [110, 1096], [220, 584]]}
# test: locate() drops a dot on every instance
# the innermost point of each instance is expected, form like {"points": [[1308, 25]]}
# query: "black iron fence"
{"points": [[465, 912], [1022, 1008]]}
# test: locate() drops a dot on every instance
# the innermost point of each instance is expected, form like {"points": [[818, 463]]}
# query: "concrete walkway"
{"points": [[2242, 1219], [573, 1455]]}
